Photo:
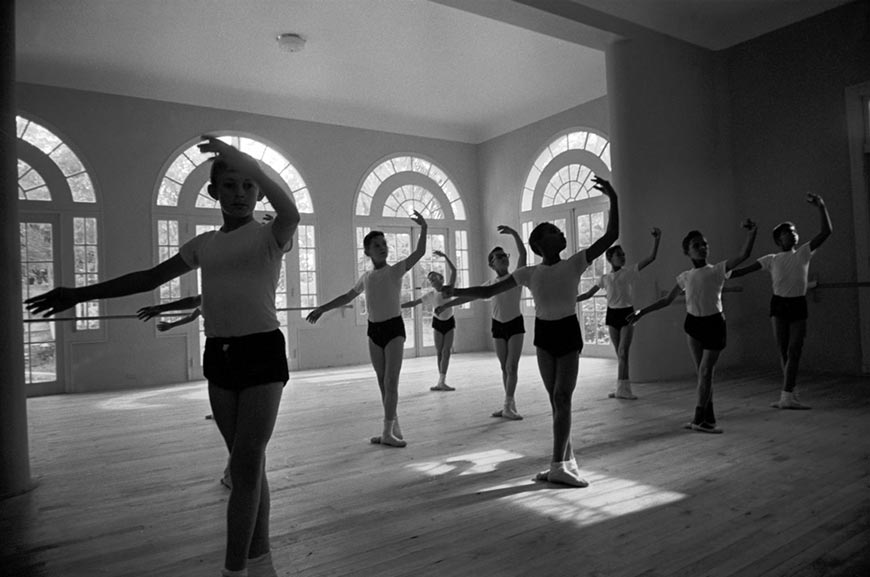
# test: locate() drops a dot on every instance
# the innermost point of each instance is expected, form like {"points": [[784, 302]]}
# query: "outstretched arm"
{"points": [[163, 326], [184, 304], [612, 233], [732, 262], [482, 291], [522, 255], [420, 250], [826, 229], [659, 304], [286, 214], [743, 271], [657, 237], [335, 303], [588, 294], [456, 302], [62, 298], [411, 304], [450, 265]]}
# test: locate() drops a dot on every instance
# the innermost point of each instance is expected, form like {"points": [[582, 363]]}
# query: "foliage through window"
{"points": [[59, 223]]}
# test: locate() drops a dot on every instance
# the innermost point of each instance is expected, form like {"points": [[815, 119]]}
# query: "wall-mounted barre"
{"points": [[166, 314], [824, 285]]}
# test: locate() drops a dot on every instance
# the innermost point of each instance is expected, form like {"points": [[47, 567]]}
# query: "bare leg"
{"points": [[704, 364], [443, 349], [509, 353], [387, 362], [626, 334], [379, 361], [795, 349], [705, 361], [705, 376], [439, 351], [560, 378], [696, 350], [790, 341], [615, 335], [512, 364], [446, 351], [246, 420], [621, 339]]}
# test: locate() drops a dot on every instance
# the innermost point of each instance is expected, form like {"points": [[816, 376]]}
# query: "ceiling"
{"points": [[407, 66]]}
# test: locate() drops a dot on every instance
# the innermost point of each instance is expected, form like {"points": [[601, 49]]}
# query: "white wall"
{"points": [[125, 142]]}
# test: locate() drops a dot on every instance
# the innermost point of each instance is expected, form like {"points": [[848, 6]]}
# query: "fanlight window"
{"points": [[31, 185], [407, 196], [578, 140], [187, 161]]}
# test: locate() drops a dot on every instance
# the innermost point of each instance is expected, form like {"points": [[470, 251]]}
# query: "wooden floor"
{"points": [[127, 484]]}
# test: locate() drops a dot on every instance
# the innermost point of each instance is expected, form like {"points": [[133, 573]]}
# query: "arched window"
{"points": [[559, 189], [59, 234], [184, 209], [389, 194]]}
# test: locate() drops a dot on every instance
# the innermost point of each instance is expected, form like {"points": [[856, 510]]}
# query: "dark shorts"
{"points": [[616, 317], [443, 327], [790, 309], [710, 330], [237, 363], [383, 332], [506, 330], [559, 337]]}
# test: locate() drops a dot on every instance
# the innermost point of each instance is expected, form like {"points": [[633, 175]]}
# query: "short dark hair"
{"points": [[492, 252], [218, 167], [367, 240], [688, 238], [778, 229], [535, 236], [609, 252]]}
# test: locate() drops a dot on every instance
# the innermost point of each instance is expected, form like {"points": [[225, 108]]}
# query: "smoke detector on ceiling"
{"points": [[290, 42]]}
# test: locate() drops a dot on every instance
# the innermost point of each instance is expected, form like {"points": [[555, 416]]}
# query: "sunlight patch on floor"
{"points": [[467, 464], [606, 497], [154, 399]]}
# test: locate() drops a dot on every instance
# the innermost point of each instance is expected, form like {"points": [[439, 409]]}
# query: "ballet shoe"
{"points": [[559, 473]]}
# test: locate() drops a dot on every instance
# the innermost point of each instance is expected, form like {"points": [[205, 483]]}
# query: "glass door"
{"points": [[588, 227], [39, 270], [582, 228], [423, 313]]}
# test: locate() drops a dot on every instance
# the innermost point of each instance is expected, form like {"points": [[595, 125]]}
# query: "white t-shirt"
{"points": [[554, 287], [383, 287], [506, 305], [436, 299], [240, 271], [619, 286], [703, 288], [789, 271]]}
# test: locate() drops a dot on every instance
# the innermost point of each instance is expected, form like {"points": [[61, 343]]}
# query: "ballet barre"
{"points": [[824, 285], [166, 314]]}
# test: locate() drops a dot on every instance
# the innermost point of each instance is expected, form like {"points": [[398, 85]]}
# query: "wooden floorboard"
{"points": [[127, 483]]}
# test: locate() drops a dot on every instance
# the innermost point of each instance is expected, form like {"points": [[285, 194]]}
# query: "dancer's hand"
{"points": [[54, 301]]}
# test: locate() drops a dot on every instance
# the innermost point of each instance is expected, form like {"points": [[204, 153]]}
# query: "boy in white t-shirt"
{"points": [[245, 360], [789, 272], [507, 326], [558, 338], [619, 285], [386, 330], [705, 321], [443, 322]]}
